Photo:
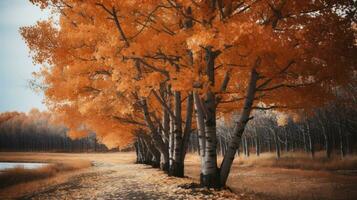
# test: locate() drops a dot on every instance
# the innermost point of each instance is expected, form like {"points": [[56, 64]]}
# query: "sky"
{"points": [[16, 66]]}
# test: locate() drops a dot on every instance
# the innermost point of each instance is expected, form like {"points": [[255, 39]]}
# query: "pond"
{"points": [[11, 165]]}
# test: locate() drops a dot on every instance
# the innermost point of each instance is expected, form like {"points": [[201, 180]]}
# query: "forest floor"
{"points": [[114, 176]]}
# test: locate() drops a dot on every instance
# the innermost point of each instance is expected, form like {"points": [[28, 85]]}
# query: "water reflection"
{"points": [[11, 165]]}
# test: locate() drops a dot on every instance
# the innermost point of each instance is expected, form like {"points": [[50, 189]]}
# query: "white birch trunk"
{"points": [[240, 126], [176, 169], [200, 127]]}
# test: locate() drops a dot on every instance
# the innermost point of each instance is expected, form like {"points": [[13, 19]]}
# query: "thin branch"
{"points": [[268, 108], [285, 69], [148, 19], [232, 100], [113, 13], [164, 72], [284, 85], [163, 103], [129, 121]]}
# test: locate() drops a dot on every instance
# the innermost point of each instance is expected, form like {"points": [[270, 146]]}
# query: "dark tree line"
{"points": [[35, 132], [331, 129]]}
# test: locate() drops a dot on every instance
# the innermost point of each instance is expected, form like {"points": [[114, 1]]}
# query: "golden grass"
{"points": [[290, 160], [299, 160], [20, 175], [74, 159], [294, 176], [128, 157]]}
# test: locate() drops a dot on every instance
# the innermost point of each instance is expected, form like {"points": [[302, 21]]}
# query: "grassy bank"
{"points": [[299, 160], [18, 175], [294, 176]]}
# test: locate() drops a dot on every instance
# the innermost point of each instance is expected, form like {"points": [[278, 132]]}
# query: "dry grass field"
{"points": [[20, 175], [294, 176]]}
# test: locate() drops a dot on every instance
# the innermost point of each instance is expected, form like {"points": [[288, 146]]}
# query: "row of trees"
{"points": [[36, 132], [151, 72], [330, 129]]}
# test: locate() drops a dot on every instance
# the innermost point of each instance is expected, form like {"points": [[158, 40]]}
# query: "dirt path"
{"points": [[105, 181], [126, 181], [114, 176]]}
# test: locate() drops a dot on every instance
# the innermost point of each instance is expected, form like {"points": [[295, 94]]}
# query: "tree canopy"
{"points": [[116, 67]]}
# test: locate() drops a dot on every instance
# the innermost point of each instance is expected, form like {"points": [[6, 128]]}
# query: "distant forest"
{"points": [[36, 132], [331, 129]]}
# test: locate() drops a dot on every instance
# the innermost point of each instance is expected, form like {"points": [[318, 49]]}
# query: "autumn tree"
{"points": [[118, 66]]}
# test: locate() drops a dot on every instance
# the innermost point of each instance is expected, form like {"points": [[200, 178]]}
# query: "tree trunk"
{"points": [[209, 177], [277, 144], [327, 145], [156, 137], [269, 144], [342, 147], [240, 126], [238, 151], [188, 126], [243, 146], [286, 141], [171, 143], [311, 142], [257, 143], [304, 141], [326, 139], [348, 145], [165, 161], [150, 147], [137, 151], [200, 127], [176, 169], [246, 141], [155, 162], [145, 155]]}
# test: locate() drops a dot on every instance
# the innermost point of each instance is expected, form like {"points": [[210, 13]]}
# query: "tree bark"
{"points": [[257, 146], [157, 139], [286, 141], [165, 161], [240, 126], [257, 143], [209, 177], [342, 147], [246, 141], [277, 144], [243, 146], [311, 142], [188, 126], [155, 161], [200, 127], [176, 169]]}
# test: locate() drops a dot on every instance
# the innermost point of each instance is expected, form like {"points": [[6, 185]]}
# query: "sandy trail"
{"points": [[106, 181], [126, 181], [114, 176]]}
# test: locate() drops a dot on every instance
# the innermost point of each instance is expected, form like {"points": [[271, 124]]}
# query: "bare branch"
{"points": [[268, 108], [129, 121], [284, 85], [163, 103], [113, 13]]}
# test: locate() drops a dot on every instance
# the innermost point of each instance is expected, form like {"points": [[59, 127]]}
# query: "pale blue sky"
{"points": [[15, 64]]}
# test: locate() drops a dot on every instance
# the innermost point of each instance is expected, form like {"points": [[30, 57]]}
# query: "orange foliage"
{"points": [[103, 56]]}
